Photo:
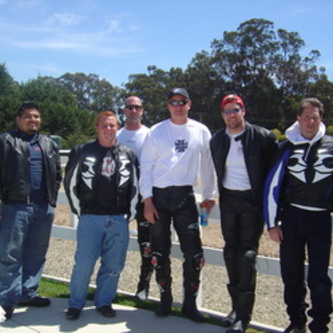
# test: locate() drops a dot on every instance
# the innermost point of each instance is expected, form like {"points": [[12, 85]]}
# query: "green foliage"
{"points": [[330, 130], [278, 134]]}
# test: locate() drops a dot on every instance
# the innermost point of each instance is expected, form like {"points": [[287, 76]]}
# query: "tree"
{"points": [[60, 114], [92, 93], [204, 86], [9, 99], [265, 68], [153, 88]]}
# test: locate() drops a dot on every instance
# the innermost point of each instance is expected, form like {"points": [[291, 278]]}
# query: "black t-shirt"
{"points": [[103, 172]]}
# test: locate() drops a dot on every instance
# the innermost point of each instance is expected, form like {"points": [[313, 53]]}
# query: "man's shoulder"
{"points": [[82, 147], [219, 133], [258, 128], [197, 124], [160, 126], [125, 150], [328, 138], [7, 134], [261, 131]]}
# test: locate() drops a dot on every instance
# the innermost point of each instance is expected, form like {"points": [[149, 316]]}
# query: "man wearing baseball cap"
{"points": [[173, 153], [241, 154]]}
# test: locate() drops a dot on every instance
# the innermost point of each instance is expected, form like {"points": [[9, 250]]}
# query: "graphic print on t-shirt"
{"points": [[181, 145], [108, 166]]}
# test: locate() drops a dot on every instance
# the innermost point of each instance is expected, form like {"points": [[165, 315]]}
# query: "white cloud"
{"points": [[64, 19], [71, 32]]}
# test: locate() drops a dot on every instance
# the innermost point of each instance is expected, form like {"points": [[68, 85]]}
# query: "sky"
{"points": [[117, 38]]}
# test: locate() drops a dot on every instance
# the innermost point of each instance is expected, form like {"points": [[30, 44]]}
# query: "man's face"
{"points": [[29, 122], [106, 129], [309, 122], [179, 112], [133, 110], [233, 116]]}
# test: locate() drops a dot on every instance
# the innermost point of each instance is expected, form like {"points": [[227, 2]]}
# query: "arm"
{"points": [[135, 186], [272, 190], [271, 148], [70, 180], [208, 177], [147, 162], [58, 167]]}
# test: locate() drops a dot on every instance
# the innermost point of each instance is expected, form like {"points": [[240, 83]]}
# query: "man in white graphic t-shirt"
{"points": [[174, 152]]}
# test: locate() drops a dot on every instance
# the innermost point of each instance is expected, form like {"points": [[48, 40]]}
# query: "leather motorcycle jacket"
{"points": [[259, 147], [14, 167]]}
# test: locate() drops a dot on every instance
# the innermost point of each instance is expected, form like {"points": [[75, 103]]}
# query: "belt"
{"points": [[174, 188], [236, 192]]}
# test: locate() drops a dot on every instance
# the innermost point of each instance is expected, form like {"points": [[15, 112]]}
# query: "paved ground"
{"points": [[52, 319]]}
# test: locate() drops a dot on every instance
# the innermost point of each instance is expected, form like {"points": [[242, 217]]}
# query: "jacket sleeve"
{"points": [[272, 190], [135, 188], [70, 180], [271, 148], [58, 166]]}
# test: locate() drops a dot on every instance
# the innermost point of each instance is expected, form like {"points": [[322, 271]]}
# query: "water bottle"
{"points": [[203, 214]]}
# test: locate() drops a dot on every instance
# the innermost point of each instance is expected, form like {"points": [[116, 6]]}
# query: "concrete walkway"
{"points": [[52, 319]]}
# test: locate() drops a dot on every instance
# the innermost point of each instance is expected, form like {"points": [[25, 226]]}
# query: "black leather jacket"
{"points": [[83, 177], [259, 145], [14, 167]]}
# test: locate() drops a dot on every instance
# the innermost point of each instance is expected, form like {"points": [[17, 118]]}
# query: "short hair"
{"points": [[27, 106], [106, 114], [311, 102], [132, 96]]}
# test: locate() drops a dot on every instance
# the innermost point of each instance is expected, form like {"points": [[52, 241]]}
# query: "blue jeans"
{"points": [[104, 236], [24, 239]]}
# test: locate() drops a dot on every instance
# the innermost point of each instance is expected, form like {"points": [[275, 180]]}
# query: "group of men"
{"points": [[149, 175]]}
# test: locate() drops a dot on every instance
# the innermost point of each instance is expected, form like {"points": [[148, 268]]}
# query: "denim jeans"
{"points": [[24, 239], [104, 236]]}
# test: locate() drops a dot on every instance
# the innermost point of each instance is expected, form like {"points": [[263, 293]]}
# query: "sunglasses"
{"points": [[231, 111], [134, 107], [180, 102]]}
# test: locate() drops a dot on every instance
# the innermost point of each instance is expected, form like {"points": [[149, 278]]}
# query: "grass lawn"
{"points": [[58, 289]]}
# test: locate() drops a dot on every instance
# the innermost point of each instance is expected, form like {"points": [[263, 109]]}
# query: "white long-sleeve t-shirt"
{"points": [[175, 155]]}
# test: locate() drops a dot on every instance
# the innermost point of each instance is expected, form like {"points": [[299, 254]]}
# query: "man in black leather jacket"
{"points": [[241, 153], [101, 183], [30, 177]]}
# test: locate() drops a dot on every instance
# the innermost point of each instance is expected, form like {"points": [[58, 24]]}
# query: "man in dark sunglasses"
{"points": [[242, 153], [133, 135], [173, 153]]}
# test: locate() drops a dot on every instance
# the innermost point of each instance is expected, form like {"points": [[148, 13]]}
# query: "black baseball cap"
{"points": [[179, 91]]}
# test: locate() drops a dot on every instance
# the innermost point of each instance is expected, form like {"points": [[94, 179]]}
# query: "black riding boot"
{"points": [[145, 276], [244, 312], [165, 305], [189, 308], [231, 317]]}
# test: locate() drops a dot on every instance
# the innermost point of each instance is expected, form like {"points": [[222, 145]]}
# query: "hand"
{"points": [[276, 234], [209, 203], [150, 211]]}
